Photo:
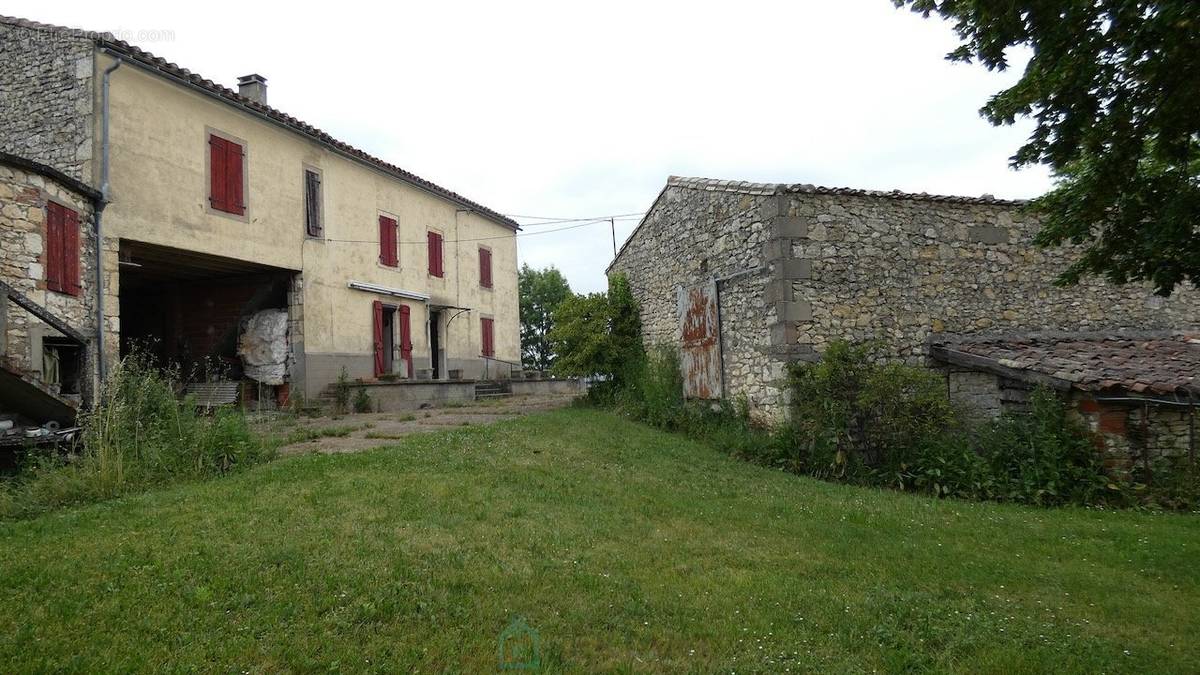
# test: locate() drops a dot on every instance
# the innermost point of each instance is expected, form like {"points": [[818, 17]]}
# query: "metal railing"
{"points": [[513, 367]]}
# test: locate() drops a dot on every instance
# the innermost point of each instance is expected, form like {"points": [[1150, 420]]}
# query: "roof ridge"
{"points": [[747, 187], [152, 62]]}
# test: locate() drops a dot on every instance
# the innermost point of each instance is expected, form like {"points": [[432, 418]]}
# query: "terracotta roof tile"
{"points": [[744, 187], [1162, 364]]}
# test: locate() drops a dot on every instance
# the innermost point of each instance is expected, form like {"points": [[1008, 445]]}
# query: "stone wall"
{"points": [[804, 266], [1132, 436], [902, 269], [23, 198], [47, 110], [694, 235]]}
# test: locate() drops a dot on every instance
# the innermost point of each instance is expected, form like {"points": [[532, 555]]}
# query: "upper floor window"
{"points": [[313, 226], [435, 255], [388, 254], [485, 268], [227, 175], [62, 249]]}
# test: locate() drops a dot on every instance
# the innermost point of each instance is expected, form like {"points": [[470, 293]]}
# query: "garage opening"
{"points": [[218, 320]]}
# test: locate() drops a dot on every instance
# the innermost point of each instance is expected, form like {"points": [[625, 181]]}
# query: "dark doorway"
{"points": [[389, 339], [435, 343], [184, 309]]}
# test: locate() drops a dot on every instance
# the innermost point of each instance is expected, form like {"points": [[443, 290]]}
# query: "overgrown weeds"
{"points": [[139, 434], [855, 417]]}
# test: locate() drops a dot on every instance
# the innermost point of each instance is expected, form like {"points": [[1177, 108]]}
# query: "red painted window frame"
{"points": [[226, 180], [388, 254], [487, 330], [377, 335], [62, 249], [485, 267], [436, 251], [406, 346]]}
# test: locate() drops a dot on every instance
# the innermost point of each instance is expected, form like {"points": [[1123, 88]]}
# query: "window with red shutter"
{"points": [[62, 249], [435, 254], [485, 268], [488, 337], [387, 242], [70, 252], [226, 165], [54, 246]]}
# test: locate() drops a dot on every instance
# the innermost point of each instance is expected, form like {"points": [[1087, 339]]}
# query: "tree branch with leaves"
{"points": [[1113, 87]]}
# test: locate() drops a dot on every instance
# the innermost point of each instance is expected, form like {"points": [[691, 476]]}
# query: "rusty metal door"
{"points": [[700, 340]]}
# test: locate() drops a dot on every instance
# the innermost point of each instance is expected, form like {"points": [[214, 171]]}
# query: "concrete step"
{"points": [[500, 394]]}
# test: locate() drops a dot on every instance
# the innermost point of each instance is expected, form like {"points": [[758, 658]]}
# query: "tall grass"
{"points": [[139, 434]]}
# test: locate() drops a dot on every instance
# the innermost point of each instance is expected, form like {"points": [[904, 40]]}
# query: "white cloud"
{"points": [[574, 109]]}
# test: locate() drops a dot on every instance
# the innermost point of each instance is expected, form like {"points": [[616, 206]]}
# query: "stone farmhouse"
{"points": [[141, 204], [745, 277]]}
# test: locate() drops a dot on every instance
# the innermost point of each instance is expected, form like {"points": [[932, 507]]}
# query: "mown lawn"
{"points": [[626, 549]]}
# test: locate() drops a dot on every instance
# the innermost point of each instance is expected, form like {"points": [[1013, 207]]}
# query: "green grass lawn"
{"points": [[626, 549]]}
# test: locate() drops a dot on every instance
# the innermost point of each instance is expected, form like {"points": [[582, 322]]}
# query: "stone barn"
{"points": [[745, 277]]}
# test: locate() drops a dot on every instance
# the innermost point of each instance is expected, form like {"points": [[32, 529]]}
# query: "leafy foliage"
{"points": [[851, 411], [362, 401], [541, 293], [599, 335], [1114, 89], [139, 434]]}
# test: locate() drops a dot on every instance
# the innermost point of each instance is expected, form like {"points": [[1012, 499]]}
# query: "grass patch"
{"points": [[627, 548], [314, 433]]}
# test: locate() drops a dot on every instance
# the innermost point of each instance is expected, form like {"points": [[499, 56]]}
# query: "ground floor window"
{"points": [[488, 338]]}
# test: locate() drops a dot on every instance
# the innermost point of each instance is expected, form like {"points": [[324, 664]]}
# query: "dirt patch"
{"points": [[372, 430]]}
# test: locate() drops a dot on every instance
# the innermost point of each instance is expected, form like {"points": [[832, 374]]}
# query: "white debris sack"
{"points": [[263, 346]]}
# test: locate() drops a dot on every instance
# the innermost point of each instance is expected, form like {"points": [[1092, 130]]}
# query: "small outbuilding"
{"points": [[1137, 391]]}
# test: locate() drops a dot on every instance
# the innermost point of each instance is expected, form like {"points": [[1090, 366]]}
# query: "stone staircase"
{"points": [[491, 389]]}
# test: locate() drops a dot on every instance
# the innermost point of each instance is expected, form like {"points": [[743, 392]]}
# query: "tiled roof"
{"points": [[746, 187], [172, 71], [1145, 364]]}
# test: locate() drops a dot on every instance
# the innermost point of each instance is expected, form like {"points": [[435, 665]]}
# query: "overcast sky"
{"points": [[572, 110]]}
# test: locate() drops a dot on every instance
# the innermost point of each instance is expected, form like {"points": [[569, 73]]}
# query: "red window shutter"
{"points": [[54, 246], [218, 182], [234, 162], [489, 347], [378, 335], [441, 256], [70, 255], [406, 339], [435, 254], [485, 268], [387, 241]]}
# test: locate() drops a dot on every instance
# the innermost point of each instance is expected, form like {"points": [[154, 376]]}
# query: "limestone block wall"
{"points": [[1131, 435], [799, 266], [48, 101], [900, 269], [694, 235], [23, 198]]}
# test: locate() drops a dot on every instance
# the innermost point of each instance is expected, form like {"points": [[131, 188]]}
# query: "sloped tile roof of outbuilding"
{"points": [[746, 187], [1164, 364], [173, 71]]}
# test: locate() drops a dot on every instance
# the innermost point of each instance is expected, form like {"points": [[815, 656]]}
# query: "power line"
{"points": [[567, 220], [454, 241]]}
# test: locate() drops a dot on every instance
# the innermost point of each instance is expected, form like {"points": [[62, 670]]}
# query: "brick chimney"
{"points": [[253, 87]]}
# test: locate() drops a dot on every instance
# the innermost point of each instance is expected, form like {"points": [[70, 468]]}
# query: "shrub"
{"points": [[138, 434], [653, 391], [1043, 457], [341, 393], [599, 336], [362, 401], [852, 414]]}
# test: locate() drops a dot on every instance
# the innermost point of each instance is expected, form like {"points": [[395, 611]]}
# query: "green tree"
{"points": [[541, 292], [1114, 89], [599, 334]]}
